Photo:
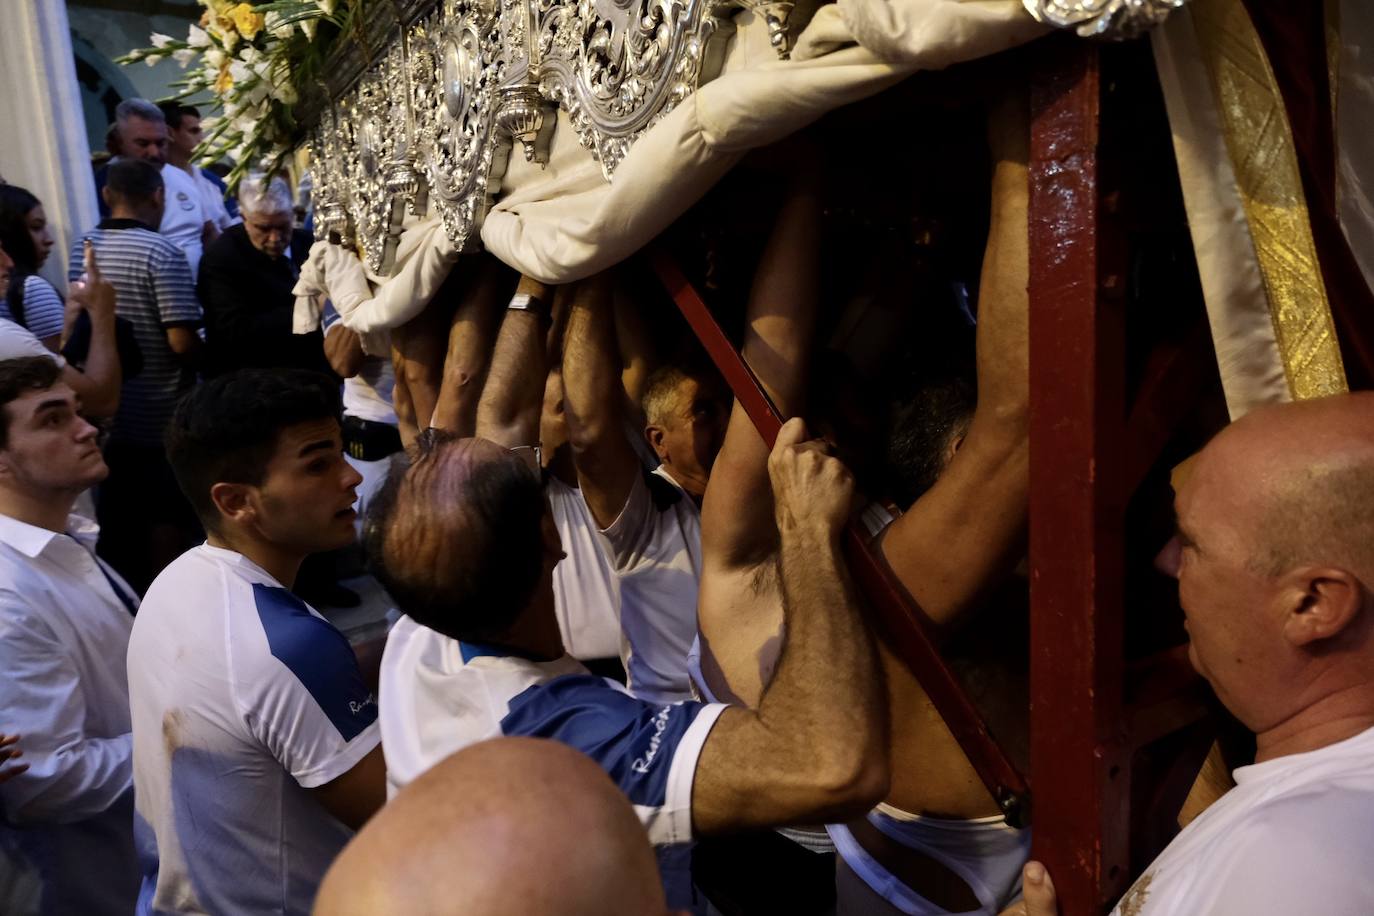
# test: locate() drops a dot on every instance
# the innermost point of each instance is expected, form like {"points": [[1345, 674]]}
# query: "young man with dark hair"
{"points": [[65, 619], [146, 522], [256, 745], [184, 134]]}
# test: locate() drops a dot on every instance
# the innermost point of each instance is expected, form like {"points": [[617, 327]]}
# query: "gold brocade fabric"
{"points": [[1260, 143]]}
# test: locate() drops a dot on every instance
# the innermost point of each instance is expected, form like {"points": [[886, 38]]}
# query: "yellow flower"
{"points": [[224, 82], [248, 22]]}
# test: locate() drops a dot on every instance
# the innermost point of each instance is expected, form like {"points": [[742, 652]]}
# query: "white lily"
{"points": [[197, 37], [161, 41], [327, 6], [185, 56], [277, 28]]}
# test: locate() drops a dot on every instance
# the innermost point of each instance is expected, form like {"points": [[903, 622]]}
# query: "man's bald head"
{"points": [[509, 827], [1299, 479], [458, 538], [1275, 559]]}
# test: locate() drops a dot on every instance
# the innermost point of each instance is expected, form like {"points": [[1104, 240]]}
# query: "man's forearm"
{"points": [[508, 412], [826, 702], [1003, 337], [591, 368], [102, 368]]}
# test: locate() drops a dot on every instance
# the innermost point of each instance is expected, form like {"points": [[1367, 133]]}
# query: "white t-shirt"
{"points": [[212, 200], [439, 695], [655, 548], [1293, 837], [586, 593], [243, 698], [183, 219]]}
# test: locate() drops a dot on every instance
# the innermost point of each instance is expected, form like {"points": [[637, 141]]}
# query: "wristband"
{"points": [[524, 302]]}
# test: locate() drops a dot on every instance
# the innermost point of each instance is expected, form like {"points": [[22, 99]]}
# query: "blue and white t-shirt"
{"points": [[439, 695], [243, 699]]}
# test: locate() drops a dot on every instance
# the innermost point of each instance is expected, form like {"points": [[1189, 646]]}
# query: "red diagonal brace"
{"points": [[904, 625]]}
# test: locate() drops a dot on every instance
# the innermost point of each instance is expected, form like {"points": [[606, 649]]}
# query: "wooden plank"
{"points": [[1079, 762]]}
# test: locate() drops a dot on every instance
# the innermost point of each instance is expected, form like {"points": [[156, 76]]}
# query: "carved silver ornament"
{"points": [[1112, 19], [432, 122]]}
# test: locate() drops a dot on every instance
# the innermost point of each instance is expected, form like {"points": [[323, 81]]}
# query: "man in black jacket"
{"points": [[245, 283], [246, 278]]}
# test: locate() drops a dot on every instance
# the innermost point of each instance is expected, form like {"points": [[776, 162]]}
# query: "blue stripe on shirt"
{"points": [[633, 741], [320, 658]]}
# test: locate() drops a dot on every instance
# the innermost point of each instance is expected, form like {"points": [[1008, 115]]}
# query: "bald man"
{"points": [[507, 827], [1274, 558]]}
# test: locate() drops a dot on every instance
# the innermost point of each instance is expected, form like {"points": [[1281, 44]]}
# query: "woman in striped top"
{"points": [[28, 299]]}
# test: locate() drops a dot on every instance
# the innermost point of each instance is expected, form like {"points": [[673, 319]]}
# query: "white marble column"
{"points": [[42, 132]]}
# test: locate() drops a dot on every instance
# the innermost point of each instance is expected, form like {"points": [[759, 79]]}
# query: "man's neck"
{"points": [[535, 632], [131, 213], [175, 158], [1337, 716], [690, 485], [279, 564], [47, 509]]}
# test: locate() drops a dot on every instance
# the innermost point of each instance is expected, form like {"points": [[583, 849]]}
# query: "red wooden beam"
{"points": [[903, 623], [1079, 759]]}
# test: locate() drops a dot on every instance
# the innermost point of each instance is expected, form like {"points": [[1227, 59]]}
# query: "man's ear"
{"points": [[1318, 603], [235, 502], [955, 443], [654, 436], [106, 196]]}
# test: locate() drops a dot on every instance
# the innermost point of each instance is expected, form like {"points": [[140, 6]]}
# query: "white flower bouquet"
{"points": [[256, 60]]}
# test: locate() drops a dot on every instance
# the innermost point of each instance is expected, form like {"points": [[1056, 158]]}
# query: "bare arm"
{"points": [[508, 413], [816, 748], [964, 533], [636, 355], [737, 514], [593, 403], [344, 350], [471, 335], [185, 342], [358, 794], [97, 386]]}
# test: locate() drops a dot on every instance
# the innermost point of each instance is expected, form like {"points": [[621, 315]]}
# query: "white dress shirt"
{"points": [[65, 620]]}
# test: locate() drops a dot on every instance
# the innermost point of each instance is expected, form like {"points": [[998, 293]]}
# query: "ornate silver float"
{"points": [[1111, 19]]}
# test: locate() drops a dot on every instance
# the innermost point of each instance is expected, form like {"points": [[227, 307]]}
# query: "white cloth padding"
{"points": [[564, 222]]}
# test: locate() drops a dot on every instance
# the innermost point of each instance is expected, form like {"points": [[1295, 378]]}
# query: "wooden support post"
{"points": [[1079, 759]]}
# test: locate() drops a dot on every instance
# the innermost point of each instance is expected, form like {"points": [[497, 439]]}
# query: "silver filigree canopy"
{"points": [[1112, 19], [434, 119]]}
